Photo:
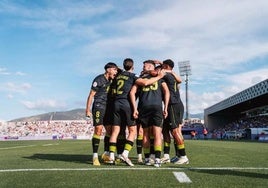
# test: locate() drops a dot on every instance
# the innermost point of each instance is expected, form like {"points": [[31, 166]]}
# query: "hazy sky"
{"points": [[50, 51]]}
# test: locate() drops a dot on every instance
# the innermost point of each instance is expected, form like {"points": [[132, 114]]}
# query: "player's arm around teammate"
{"points": [[150, 111]]}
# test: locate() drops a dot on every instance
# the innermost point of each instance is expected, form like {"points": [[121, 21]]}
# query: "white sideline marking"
{"points": [[128, 168], [182, 177], [50, 144], [15, 147]]}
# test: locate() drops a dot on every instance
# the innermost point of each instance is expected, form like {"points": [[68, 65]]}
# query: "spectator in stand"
{"points": [[193, 135], [205, 132]]}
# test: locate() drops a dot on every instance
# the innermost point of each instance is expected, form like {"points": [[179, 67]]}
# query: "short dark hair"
{"points": [[110, 65], [169, 62], [128, 63], [149, 61]]}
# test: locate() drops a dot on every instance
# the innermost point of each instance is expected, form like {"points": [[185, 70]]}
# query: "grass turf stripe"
{"points": [[131, 168]]}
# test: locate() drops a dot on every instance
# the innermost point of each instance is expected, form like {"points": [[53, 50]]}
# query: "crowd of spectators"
{"points": [[58, 129], [83, 128], [241, 125], [47, 128]]}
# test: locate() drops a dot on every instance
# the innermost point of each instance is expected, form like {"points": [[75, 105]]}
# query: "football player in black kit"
{"points": [[98, 93], [173, 123], [123, 112], [152, 91]]}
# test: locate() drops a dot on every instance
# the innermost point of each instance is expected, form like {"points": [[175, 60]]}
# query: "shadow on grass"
{"points": [[234, 173], [62, 157]]}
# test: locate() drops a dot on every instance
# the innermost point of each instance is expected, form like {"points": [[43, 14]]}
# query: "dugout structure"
{"points": [[247, 102]]}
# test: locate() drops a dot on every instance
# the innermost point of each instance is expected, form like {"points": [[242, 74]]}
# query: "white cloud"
{"points": [[44, 104], [10, 96], [199, 102], [3, 71], [212, 37], [242, 81], [235, 84], [18, 88], [19, 73], [66, 22]]}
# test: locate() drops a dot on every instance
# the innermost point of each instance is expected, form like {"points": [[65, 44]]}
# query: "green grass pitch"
{"points": [[67, 163]]}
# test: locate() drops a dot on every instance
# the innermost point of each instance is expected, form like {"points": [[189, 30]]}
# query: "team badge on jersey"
{"points": [[94, 84]]}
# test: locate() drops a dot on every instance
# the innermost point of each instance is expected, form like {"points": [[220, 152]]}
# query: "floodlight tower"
{"points": [[185, 70]]}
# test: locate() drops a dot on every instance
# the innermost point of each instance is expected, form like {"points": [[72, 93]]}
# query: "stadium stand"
{"points": [[81, 129], [245, 103]]}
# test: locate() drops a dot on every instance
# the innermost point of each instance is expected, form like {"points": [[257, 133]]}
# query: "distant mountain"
{"points": [[76, 114]]}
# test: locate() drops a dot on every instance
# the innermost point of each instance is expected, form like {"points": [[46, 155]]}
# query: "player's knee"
{"points": [[98, 130]]}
